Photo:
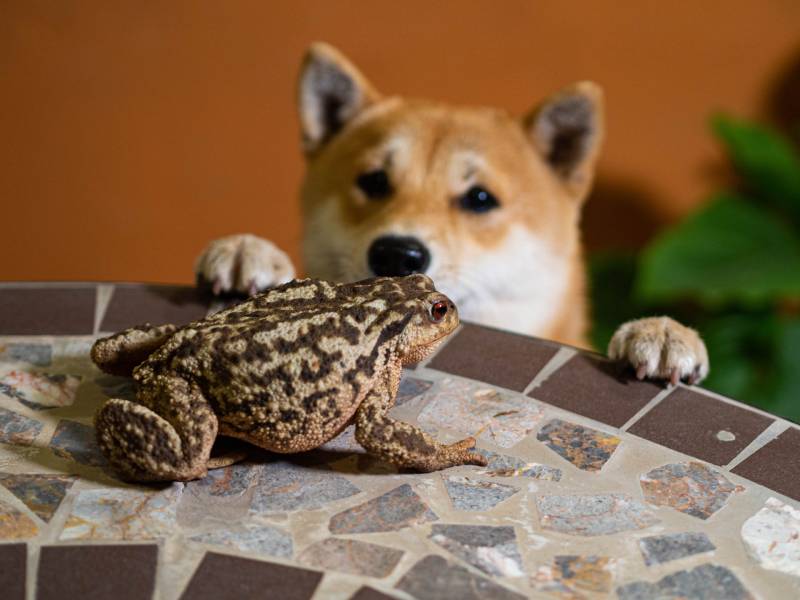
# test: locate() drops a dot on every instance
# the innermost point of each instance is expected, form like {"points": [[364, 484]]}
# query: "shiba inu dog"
{"points": [[485, 203]]}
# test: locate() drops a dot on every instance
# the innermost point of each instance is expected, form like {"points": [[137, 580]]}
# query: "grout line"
{"points": [[648, 407], [559, 359], [104, 291], [775, 428]]}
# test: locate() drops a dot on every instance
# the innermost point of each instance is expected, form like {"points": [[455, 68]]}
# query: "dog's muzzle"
{"points": [[394, 256]]}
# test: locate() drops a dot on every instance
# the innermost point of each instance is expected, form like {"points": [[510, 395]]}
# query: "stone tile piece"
{"points": [[351, 556], [47, 311], [772, 537], [18, 429], [596, 388], [234, 480], [690, 487], [76, 441], [40, 355], [501, 465], [137, 304], [500, 418], [410, 388], [396, 509], [658, 549], [434, 578], [491, 549], [473, 494], [122, 514], [584, 447], [775, 465], [691, 422], [598, 514], [250, 537], [14, 525], [13, 564], [570, 575], [97, 572], [368, 593], [40, 493], [222, 576], [706, 582], [284, 486], [497, 357], [39, 391]]}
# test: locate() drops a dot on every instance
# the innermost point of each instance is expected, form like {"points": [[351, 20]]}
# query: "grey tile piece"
{"points": [[706, 582], [472, 494], [76, 441], [250, 537], [501, 465], [284, 486], [658, 549], [40, 355], [18, 429], [234, 480], [589, 515], [396, 509], [351, 556], [410, 388], [492, 549], [434, 578], [40, 391], [691, 487]]}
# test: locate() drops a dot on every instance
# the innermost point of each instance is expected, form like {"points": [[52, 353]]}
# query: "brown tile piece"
{"points": [[157, 304], [776, 465], [97, 572], [13, 561], [699, 425], [596, 388], [368, 593], [497, 357], [47, 311], [221, 576]]}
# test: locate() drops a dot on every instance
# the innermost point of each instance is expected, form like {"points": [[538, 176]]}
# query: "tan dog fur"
{"points": [[518, 267]]}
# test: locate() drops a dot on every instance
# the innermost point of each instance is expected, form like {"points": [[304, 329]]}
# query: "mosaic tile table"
{"points": [[598, 485]]}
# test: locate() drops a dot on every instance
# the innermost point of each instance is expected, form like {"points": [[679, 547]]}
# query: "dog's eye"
{"points": [[478, 199], [374, 184]]}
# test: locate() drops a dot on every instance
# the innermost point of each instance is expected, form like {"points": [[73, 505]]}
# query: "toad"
{"points": [[287, 370]]}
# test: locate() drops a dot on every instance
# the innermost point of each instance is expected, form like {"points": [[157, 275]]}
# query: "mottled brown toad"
{"points": [[287, 371]]}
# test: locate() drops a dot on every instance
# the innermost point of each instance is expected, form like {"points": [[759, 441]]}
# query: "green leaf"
{"points": [[767, 162], [728, 251], [753, 359]]}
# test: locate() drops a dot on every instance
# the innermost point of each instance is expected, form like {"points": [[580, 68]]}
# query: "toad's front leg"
{"points": [[402, 444]]}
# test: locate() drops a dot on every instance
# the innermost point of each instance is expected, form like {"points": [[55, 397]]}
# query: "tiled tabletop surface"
{"points": [[598, 485]]}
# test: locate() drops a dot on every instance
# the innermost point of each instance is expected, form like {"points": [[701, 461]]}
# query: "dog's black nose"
{"points": [[394, 256]]}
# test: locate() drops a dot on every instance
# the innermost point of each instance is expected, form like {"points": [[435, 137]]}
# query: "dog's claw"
{"points": [[216, 287], [252, 288], [641, 371], [675, 376]]}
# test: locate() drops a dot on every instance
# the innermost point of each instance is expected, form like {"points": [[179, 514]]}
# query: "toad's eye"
{"points": [[478, 199], [374, 184], [438, 311]]}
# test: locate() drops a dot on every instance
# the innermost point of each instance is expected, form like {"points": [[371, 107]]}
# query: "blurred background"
{"points": [[135, 132]]}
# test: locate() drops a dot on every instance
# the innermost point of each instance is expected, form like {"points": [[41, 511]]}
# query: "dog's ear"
{"points": [[567, 130], [331, 92]]}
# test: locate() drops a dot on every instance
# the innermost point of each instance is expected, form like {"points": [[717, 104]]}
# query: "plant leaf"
{"points": [[728, 251], [767, 162]]}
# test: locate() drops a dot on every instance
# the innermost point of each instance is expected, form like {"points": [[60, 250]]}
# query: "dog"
{"points": [[485, 203]]}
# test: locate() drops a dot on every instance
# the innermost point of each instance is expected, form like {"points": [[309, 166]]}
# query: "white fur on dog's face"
{"points": [[508, 267]]}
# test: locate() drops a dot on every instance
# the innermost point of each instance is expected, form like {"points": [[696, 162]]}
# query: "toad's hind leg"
{"points": [[120, 353], [166, 436]]}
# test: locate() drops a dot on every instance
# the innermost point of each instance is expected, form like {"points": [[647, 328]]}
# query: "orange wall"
{"points": [[131, 133]]}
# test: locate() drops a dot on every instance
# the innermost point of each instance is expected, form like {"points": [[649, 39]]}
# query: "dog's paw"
{"points": [[243, 263], [661, 348]]}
